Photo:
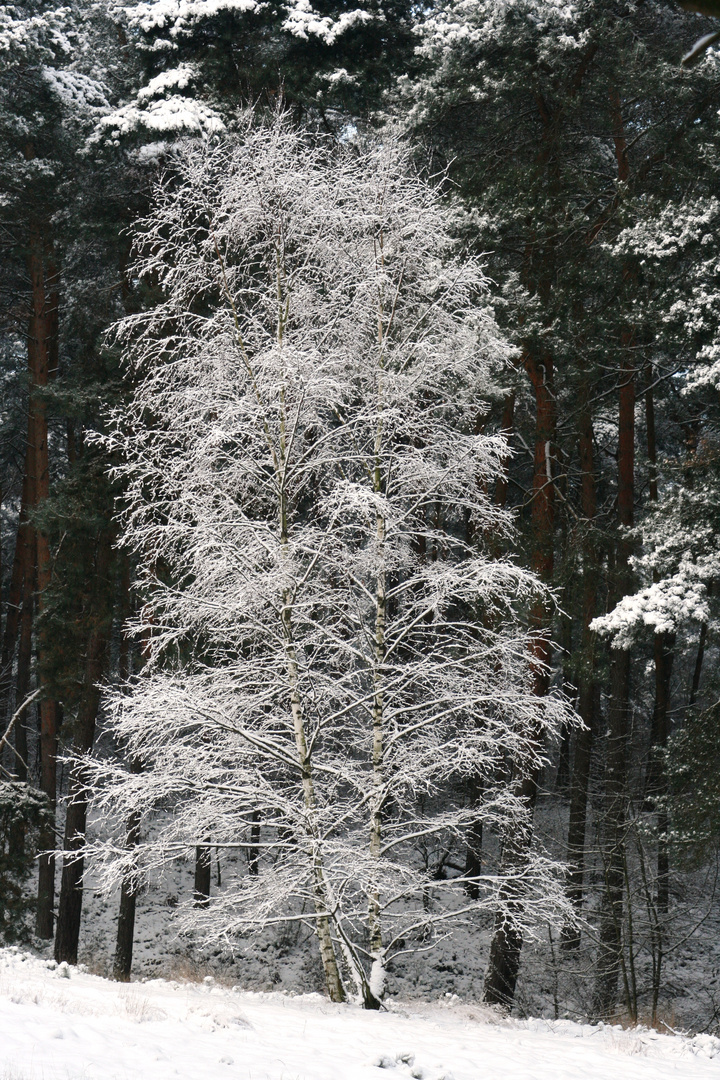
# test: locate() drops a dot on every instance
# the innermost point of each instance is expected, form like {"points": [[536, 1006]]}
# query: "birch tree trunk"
{"points": [[323, 907], [374, 992], [333, 980]]}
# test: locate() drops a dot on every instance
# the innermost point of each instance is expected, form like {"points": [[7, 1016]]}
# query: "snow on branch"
{"points": [[303, 22], [663, 606], [333, 651], [171, 116], [180, 15]]}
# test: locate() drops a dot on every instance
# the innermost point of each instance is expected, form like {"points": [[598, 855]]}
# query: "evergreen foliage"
{"points": [[23, 812]]}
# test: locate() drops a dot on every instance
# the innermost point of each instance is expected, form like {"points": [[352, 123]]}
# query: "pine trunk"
{"points": [[67, 932], [586, 697], [473, 845], [474, 835], [122, 962], [663, 649], [18, 578], [610, 937], [42, 349], [506, 946], [24, 663]]}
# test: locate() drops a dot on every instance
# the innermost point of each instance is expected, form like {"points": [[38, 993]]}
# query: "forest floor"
{"points": [[61, 1023]]}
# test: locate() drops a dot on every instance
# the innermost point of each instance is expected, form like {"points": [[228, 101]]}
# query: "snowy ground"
{"points": [[552, 983], [63, 1024]]}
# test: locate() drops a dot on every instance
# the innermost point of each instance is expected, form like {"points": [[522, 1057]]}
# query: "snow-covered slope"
{"points": [[63, 1024]]}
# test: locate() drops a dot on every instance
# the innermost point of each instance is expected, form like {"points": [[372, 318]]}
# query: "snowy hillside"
{"points": [[63, 1024]]}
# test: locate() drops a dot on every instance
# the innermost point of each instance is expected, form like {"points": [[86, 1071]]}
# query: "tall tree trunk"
{"points": [[122, 962], [506, 429], [24, 661], [562, 778], [506, 945], [473, 844], [124, 613], [15, 593], [663, 649], [67, 932], [586, 697], [374, 991], [664, 645], [609, 959], [21, 603], [474, 836], [42, 346], [333, 978], [26, 540]]}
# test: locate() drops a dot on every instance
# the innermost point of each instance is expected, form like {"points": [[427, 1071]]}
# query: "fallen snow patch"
{"points": [[60, 1023]]}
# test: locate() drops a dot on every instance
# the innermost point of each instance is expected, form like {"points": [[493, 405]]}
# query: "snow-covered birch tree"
{"points": [[332, 649]]}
